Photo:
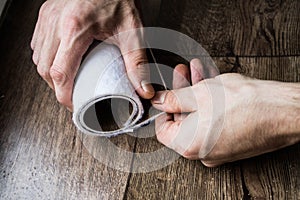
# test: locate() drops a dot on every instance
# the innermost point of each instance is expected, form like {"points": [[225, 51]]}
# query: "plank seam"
{"points": [[130, 171], [247, 195]]}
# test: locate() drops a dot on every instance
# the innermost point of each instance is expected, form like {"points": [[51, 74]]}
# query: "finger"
{"points": [[37, 29], [37, 48], [39, 33], [47, 55], [165, 129], [200, 72], [135, 61], [138, 73], [35, 34], [175, 101], [181, 136], [181, 79], [65, 67]]}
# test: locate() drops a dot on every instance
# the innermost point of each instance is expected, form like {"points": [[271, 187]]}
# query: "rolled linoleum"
{"points": [[103, 93]]}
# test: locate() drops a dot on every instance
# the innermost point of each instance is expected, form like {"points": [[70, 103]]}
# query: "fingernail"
{"points": [[159, 98], [147, 87]]}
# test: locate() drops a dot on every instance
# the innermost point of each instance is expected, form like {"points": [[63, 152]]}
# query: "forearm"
{"points": [[281, 104], [261, 116], [249, 117]]}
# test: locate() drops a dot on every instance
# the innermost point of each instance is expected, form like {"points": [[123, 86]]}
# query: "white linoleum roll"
{"points": [[102, 92]]}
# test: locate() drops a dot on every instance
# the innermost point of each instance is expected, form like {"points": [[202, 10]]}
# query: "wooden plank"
{"points": [[271, 176], [268, 68], [41, 153], [183, 179], [244, 28], [274, 175], [281, 69]]}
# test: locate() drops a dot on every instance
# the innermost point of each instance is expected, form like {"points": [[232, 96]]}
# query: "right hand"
{"points": [[228, 117]]}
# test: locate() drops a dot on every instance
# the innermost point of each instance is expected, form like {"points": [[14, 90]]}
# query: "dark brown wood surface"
{"points": [[234, 27], [41, 152]]}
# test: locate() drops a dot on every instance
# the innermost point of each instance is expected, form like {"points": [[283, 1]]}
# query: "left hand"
{"points": [[66, 28]]}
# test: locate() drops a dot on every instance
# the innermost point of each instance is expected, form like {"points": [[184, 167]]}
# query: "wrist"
{"points": [[280, 103]]}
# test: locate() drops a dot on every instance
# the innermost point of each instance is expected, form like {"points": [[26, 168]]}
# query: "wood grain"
{"points": [[266, 176], [183, 179], [273, 175], [243, 28], [43, 156], [41, 153]]}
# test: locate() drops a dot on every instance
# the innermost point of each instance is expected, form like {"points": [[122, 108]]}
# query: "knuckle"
{"points": [[43, 72], [48, 13], [35, 58], [61, 99], [72, 23], [51, 17], [43, 9], [57, 75], [32, 44], [136, 60], [181, 69], [139, 61], [171, 102]]}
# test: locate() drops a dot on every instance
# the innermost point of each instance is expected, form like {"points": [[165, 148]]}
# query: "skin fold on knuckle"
{"points": [[164, 102], [80, 18], [135, 60], [137, 71], [58, 76], [77, 19], [171, 102], [72, 25]]}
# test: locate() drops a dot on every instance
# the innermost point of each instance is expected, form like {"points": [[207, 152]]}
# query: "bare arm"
{"points": [[66, 28], [229, 117]]}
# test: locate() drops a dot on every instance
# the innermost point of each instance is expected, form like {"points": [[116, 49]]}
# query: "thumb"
{"points": [[138, 72], [175, 101], [135, 58]]}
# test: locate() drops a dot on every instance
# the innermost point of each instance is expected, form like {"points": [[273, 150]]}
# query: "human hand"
{"points": [[228, 117], [66, 28]]}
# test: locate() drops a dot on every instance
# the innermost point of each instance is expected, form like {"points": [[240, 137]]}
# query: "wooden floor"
{"points": [[41, 153]]}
